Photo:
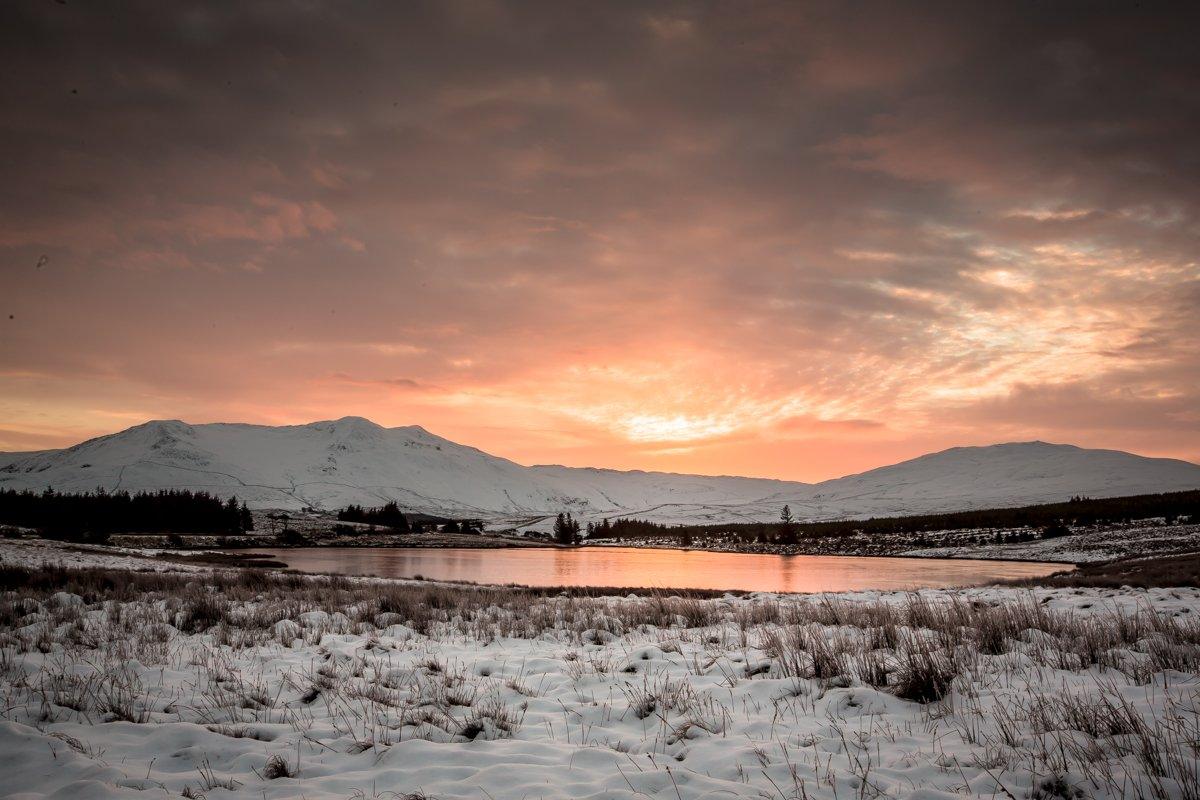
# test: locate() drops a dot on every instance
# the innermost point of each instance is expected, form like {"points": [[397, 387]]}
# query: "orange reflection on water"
{"points": [[627, 567]]}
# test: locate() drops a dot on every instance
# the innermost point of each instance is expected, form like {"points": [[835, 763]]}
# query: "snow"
{"points": [[1084, 545], [109, 700], [39, 552], [352, 460]]}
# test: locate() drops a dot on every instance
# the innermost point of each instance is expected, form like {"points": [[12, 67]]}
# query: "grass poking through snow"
{"points": [[344, 687]]}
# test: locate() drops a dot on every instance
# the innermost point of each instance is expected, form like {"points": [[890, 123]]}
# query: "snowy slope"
{"points": [[352, 460], [1001, 475], [962, 478]]}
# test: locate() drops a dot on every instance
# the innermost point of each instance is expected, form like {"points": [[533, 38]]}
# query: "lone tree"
{"points": [[566, 529], [787, 526]]}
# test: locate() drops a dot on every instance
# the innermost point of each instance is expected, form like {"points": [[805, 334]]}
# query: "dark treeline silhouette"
{"points": [[566, 529], [1051, 518], [94, 515], [388, 515], [621, 528]]}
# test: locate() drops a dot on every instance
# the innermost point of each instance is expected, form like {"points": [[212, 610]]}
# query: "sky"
{"points": [[794, 240]]}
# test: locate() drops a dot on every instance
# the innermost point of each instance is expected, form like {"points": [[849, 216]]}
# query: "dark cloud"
{"points": [[1085, 407], [634, 220], [395, 383]]}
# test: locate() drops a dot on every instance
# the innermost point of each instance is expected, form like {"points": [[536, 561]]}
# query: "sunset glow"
{"points": [[784, 241]]}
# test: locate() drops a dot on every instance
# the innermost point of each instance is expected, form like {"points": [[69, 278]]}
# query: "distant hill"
{"points": [[331, 464]]}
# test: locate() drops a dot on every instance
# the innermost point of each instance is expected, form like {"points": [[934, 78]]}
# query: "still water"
{"points": [[629, 567]]}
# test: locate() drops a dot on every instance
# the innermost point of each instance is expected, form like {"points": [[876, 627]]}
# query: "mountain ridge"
{"points": [[330, 463]]}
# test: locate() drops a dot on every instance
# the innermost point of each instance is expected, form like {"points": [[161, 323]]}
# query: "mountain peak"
{"points": [[1032, 444], [348, 424], [160, 429], [1036, 444], [161, 424], [355, 421]]}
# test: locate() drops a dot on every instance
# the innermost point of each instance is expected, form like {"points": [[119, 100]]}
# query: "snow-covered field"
{"points": [[1085, 545], [29, 552], [131, 681]]}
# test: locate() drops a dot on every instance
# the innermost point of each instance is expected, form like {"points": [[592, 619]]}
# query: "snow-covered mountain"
{"points": [[352, 460], [996, 476]]}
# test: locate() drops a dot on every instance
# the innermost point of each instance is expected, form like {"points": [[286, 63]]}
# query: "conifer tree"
{"points": [[787, 526], [566, 529]]}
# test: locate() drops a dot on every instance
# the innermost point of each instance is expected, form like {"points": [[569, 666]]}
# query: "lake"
{"points": [[629, 567]]}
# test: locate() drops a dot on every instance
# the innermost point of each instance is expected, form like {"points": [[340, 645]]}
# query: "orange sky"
{"points": [[774, 240]]}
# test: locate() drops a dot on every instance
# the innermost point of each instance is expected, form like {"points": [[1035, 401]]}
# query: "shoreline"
{"points": [[1177, 569], [630, 569], [842, 555], [489, 542], [48, 551], [1082, 545]]}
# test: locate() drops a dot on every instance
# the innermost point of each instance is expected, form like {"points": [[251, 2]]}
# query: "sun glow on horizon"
{"points": [[673, 428]]}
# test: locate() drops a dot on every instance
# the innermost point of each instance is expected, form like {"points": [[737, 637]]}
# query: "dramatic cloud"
{"points": [[778, 239]]}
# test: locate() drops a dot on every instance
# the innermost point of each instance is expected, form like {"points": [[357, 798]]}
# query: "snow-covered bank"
{"points": [[1083, 545], [36, 552], [230, 684]]}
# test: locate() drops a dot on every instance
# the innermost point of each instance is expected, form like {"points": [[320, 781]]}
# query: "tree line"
{"points": [[95, 515], [390, 516], [387, 515], [1051, 518], [567, 529]]}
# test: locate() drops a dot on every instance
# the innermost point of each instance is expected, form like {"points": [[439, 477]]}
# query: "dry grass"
{"points": [[935, 653], [1139, 573], [242, 608], [277, 767]]}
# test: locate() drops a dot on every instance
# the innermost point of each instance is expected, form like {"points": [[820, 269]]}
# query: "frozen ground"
{"points": [[1085, 545], [35, 552], [126, 683]]}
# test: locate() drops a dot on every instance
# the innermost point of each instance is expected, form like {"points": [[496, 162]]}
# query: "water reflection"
{"points": [[632, 567]]}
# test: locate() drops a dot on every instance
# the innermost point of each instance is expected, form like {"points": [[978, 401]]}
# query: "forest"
{"points": [[94, 515], [388, 516]]}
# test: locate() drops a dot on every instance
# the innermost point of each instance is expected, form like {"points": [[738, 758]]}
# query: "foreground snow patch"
{"points": [[1048, 694]]}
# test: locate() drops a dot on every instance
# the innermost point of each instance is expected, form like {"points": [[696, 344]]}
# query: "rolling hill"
{"points": [[327, 465]]}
